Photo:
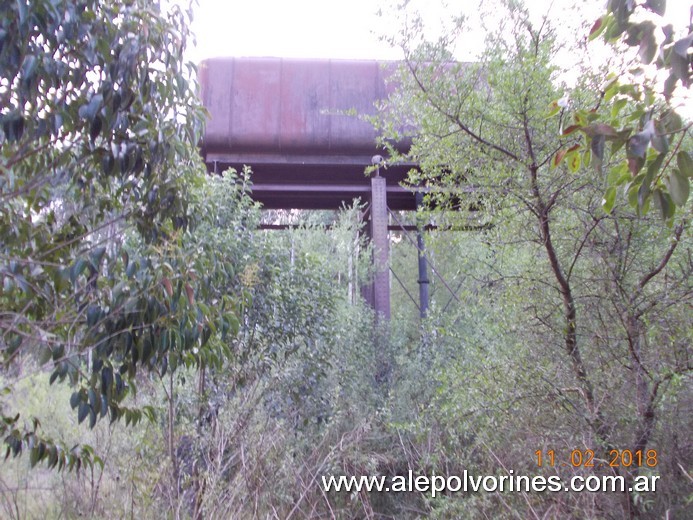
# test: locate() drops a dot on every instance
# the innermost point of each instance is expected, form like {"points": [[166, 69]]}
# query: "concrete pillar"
{"points": [[381, 248]]}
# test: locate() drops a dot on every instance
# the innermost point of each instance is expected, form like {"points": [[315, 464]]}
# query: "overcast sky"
{"points": [[340, 28], [352, 29], [290, 28]]}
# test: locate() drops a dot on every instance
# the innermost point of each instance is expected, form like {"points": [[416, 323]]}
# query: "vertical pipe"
{"points": [[423, 267], [365, 233]]}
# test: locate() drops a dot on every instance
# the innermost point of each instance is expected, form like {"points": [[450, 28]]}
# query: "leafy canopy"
{"points": [[99, 122]]}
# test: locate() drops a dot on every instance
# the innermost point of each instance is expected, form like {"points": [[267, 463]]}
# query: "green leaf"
{"points": [[660, 142], [89, 110], [574, 160], [637, 145], [77, 269], [685, 164], [597, 147], [680, 68], [106, 381], [679, 187], [609, 199], [554, 108], [83, 412], [34, 456], [95, 127], [648, 45], [670, 85], [130, 269], [94, 401], [46, 355], [93, 314], [671, 121], [597, 27], [645, 188], [58, 352], [96, 256], [663, 201], [618, 106]]}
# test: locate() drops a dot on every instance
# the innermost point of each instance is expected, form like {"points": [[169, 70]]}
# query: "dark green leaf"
{"points": [[130, 269], [89, 110], [660, 142], [58, 352], [83, 412], [94, 401], [637, 145], [648, 45], [77, 269], [46, 355], [657, 6], [93, 314], [681, 46], [663, 201], [680, 67], [34, 456], [646, 186], [75, 399], [96, 256], [685, 164], [670, 85], [106, 380], [95, 127], [679, 187], [597, 148]]}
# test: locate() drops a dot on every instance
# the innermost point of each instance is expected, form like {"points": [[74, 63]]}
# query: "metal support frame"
{"points": [[423, 267]]}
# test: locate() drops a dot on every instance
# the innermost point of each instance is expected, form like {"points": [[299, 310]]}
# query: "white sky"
{"points": [[340, 28], [289, 28], [352, 29]]}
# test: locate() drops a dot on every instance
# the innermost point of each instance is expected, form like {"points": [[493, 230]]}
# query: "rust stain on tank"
{"points": [[279, 105]]}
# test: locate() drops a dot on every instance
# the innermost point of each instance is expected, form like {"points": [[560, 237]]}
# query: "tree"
{"points": [[605, 287], [642, 120], [100, 123]]}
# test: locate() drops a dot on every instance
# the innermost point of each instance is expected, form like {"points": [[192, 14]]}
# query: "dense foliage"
{"points": [[600, 307], [99, 126], [239, 366], [639, 115]]}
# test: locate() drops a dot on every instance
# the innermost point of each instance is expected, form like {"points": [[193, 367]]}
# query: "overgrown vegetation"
{"points": [[239, 366]]}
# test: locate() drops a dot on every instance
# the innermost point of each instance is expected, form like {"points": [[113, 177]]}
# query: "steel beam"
{"points": [[423, 267]]}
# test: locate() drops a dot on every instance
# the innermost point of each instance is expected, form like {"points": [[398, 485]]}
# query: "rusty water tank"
{"points": [[279, 105]]}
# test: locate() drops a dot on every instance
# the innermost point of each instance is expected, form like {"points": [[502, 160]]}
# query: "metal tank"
{"points": [[301, 125]]}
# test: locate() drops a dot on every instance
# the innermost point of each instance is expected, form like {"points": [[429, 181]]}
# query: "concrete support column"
{"points": [[381, 248]]}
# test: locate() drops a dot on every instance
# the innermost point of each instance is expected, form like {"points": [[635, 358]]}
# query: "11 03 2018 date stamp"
{"points": [[585, 458]]}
